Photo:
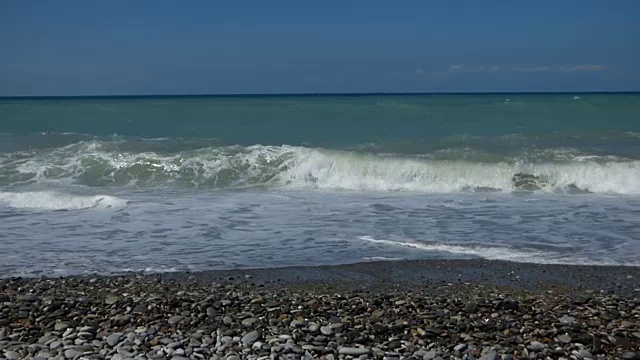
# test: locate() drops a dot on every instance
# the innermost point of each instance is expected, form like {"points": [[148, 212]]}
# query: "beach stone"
{"points": [[471, 307], [110, 299], [139, 309], [326, 330], [630, 355], [250, 338], [87, 329], [249, 322], [429, 355], [71, 353], [584, 354], [353, 351], [211, 312], [12, 355], [59, 326], [85, 335], [55, 344], [536, 346], [564, 338], [460, 347], [114, 339], [491, 355], [395, 344], [175, 319], [509, 304], [296, 324], [566, 319]]}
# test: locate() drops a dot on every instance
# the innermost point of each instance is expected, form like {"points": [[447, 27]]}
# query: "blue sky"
{"points": [[189, 47]]}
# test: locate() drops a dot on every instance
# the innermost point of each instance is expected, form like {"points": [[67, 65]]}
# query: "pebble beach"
{"points": [[372, 310]]}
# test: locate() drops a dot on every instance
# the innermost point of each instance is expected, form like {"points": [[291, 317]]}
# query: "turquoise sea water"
{"points": [[174, 183]]}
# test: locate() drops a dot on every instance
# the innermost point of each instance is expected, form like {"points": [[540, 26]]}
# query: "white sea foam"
{"points": [[50, 200], [495, 253], [299, 167], [353, 171]]}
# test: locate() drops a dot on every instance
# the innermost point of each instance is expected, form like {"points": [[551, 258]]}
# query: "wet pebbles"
{"points": [[152, 318]]}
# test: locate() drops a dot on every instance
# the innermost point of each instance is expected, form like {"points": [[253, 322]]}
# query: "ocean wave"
{"points": [[51, 200], [100, 164], [497, 253]]}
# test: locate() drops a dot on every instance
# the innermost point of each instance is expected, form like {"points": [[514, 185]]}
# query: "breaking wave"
{"points": [[100, 164]]}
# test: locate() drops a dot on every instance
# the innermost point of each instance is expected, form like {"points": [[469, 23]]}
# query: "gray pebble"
{"points": [[71, 353], [584, 354], [114, 339], [250, 338], [429, 355], [460, 347], [59, 326], [564, 338], [566, 319], [491, 355], [12, 355], [175, 319], [249, 322], [326, 330], [353, 351]]}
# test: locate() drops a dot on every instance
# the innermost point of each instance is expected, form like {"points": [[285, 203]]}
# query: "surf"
{"points": [[102, 164], [53, 200]]}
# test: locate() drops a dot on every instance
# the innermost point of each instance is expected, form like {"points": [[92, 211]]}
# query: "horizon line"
{"points": [[311, 94]]}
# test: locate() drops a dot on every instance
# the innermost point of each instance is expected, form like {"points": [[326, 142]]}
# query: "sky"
{"points": [[122, 47]]}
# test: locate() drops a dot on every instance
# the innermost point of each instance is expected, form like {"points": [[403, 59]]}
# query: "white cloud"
{"points": [[542, 68], [525, 69], [584, 67]]}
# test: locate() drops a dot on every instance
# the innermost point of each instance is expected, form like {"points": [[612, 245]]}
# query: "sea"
{"points": [[110, 185]]}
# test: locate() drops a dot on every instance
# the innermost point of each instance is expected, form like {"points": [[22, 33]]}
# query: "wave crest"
{"points": [[94, 164]]}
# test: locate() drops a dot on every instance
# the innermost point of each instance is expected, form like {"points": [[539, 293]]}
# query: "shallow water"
{"points": [[325, 180]]}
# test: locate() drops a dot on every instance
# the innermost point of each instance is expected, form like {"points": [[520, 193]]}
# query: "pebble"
{"points": [[460, 347], [59, 326], [326, 330], [567, 319], [564, 338], [250, 338], [110, 300], [584, 354], [71, 353], [353, 351], [174, 320], [12, 355], [114, 339], [154, 319]]}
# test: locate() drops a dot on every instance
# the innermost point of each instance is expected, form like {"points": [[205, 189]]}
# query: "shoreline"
{"points": [[408, 274], [413, 309]]}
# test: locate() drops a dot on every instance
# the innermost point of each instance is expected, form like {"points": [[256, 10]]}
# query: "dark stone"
{"points": [[471, 307]]}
